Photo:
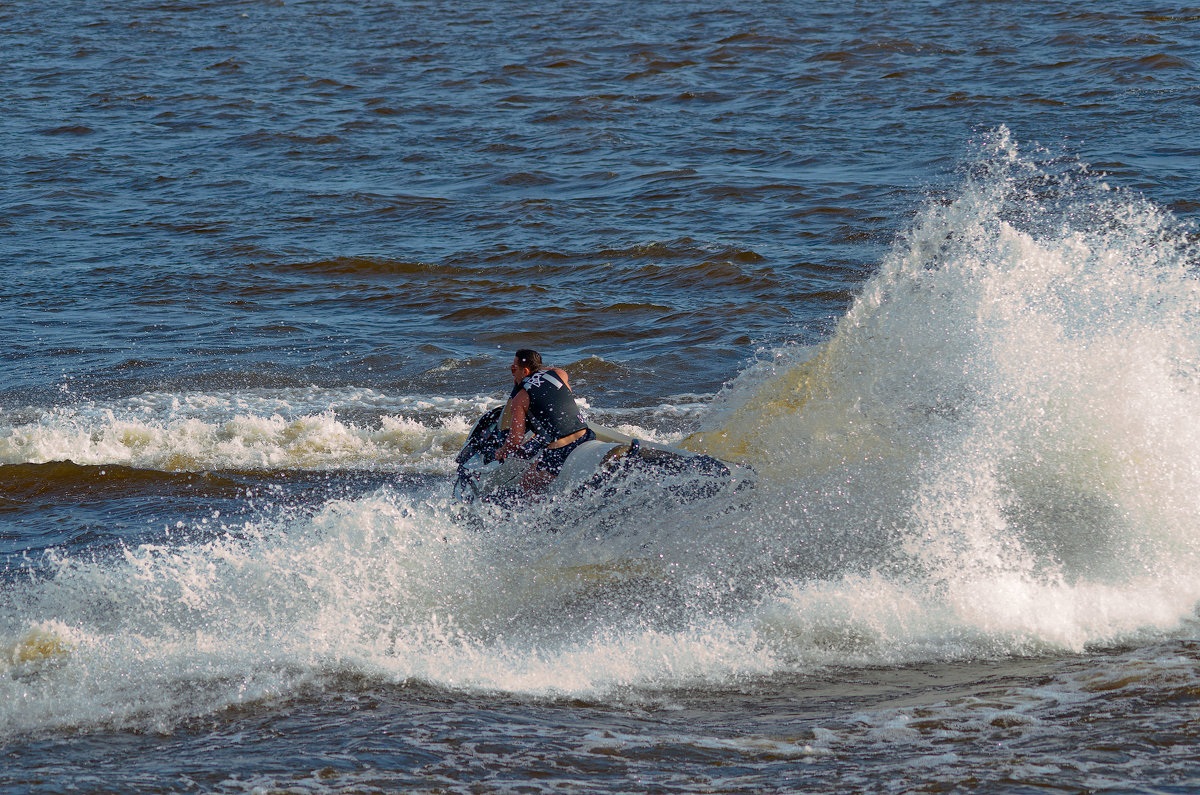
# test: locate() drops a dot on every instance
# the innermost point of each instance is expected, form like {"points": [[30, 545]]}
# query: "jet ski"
{"points": [[612, 460]]}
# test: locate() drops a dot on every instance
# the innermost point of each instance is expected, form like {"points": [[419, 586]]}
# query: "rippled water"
{"points": [[929, 268]]}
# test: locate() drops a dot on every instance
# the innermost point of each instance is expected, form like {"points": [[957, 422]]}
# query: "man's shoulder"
{"points": [[552, 374]]}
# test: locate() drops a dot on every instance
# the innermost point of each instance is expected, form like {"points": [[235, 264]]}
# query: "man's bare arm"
{"points": [[516, 432]]}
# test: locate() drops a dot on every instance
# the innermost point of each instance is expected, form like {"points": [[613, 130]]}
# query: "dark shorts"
{"points": [[552, 460]]}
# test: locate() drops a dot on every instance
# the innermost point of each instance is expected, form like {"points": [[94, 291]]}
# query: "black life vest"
{"points": [[552, 410]]}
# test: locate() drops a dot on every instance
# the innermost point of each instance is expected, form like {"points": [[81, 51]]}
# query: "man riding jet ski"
{"points": [[542, 402], [542, 422]]}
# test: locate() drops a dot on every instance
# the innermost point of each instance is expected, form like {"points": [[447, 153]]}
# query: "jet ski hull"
{"points": [[592, 465]]}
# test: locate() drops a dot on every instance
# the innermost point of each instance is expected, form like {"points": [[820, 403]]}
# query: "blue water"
{"points": [[928, 268]]}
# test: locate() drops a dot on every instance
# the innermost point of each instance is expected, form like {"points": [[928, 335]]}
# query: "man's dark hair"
{"points": [[529, 358]]}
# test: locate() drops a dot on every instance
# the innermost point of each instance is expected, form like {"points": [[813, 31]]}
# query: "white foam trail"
{"points": [[258, 429], [384, 585], [309, 429]]}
